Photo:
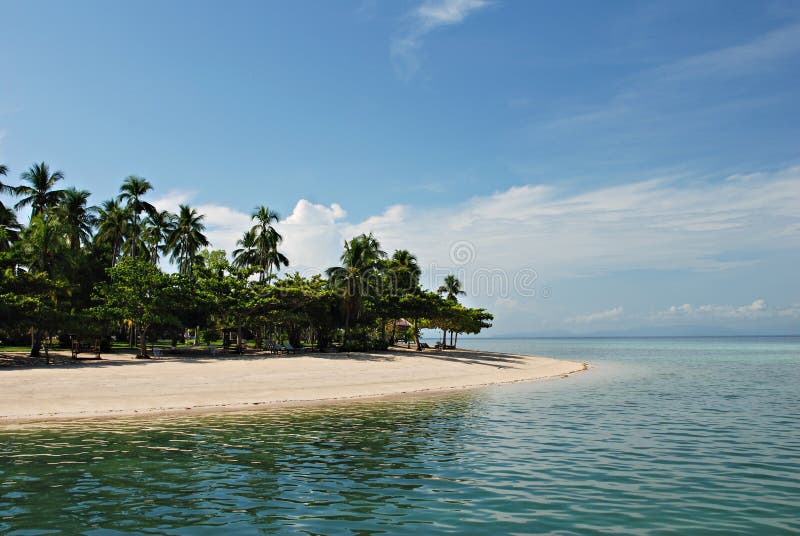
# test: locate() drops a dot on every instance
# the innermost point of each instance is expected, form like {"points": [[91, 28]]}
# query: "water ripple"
{"points": [[660, 436]]}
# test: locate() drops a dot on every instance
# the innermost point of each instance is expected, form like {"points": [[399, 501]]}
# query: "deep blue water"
{"points": [[660, 436]]}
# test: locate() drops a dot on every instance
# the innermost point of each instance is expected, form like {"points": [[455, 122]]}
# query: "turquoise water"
{"points": [[660, 436]]}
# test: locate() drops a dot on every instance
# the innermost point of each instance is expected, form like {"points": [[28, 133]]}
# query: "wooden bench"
{"points": [[79, 347]]}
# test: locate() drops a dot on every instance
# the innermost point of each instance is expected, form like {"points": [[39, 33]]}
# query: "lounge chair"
{"points": [[289, 348]]}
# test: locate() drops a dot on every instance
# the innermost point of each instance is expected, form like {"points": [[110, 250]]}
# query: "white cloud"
{"points": [[755, 310], [172, 199], [644, 96], [611, 314], [649, 225], [428, 16], [433, 13], [746, 58]]}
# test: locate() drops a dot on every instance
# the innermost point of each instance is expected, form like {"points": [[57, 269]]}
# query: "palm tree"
{"points": [[186, 238], [405, 269], [4, 188], [246, 255], [266, 240], [361, 256], [40, 195], [43, 246], [78, 219], [452, 289], [9, 228], [404, 273], [112, 227], [157, 227], [131, 192]]}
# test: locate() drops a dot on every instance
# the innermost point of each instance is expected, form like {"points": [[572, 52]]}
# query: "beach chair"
{"points": [[289, 348]]}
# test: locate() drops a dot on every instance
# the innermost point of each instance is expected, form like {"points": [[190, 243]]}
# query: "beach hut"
{"points": [[399, 325]]}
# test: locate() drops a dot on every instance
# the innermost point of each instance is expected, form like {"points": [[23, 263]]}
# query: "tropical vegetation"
{"points": [[78, 271]]}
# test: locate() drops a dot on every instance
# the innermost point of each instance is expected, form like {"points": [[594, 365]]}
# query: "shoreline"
{"points": [[119, 386]]}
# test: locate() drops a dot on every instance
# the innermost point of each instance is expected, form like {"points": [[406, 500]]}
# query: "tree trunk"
{"points": [[346, 326], [416, 336], [143, 344], [394, 331], [36, 342], [197, 335], [451, 337], [239, 337], [456, 343], [444, 338]]}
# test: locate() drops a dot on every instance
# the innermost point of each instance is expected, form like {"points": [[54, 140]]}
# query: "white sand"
{"points": [[121, 385]]}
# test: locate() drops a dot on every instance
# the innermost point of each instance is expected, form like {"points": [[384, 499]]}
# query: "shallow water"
{"points": [[659, 436]]}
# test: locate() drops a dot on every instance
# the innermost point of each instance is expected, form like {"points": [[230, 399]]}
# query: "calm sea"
{"points": [[660, 436]]}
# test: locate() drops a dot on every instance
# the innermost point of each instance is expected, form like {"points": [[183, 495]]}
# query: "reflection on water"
{"points": [[659, 436]]}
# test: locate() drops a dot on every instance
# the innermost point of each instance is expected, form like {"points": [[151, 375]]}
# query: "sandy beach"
{"points": [[120, 385]]}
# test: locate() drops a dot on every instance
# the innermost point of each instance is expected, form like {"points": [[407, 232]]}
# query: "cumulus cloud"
{"points": [[658, 224], [427, 17], [509, 247], [611, 314]]}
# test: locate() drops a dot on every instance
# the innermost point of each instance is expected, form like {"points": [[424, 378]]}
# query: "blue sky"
{"points": [[641, 159]]}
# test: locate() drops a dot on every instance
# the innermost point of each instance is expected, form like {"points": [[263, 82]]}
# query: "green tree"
{"points": [[360, 262], [265, 241], [76, 217], [139, 293], [303, 305], [43, 248], [419, 306], [40, 193], [157, 227], [4, 188], [131, 192], [112, 227], [452, 290], [186, 239], [246, 255], [31, 301], [9, 228], [403, 273]]}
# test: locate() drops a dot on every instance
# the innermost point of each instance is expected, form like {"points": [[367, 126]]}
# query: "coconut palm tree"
{"points": [[452, 290], [157, 227], [266, 241], [246, 255], [43, 246], [39, 193], [361, 257], [4, 188], [76, 217], [112, 227], [405, 270], [186, 239], [9, 228], [131, 192]]}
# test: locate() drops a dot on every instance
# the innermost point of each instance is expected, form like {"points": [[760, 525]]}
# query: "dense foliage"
{"points": [[78, 272]]}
